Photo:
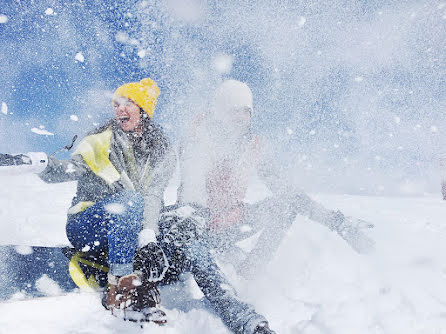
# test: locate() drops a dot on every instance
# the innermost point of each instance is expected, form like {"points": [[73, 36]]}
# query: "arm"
{"points": [[64, 170], [154, 190], [279, 181], [49, 169], [194, 163]]}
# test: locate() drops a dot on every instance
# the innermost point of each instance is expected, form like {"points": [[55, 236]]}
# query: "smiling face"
{"points": [[127, 114]]}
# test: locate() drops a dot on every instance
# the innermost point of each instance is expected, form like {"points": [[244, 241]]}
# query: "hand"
{"points": [[182, 225], [34, 162], [14, 160], [353, 230], [151, 261]]}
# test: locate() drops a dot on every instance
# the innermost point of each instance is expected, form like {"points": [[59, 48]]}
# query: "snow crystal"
{"points": [[146, 236], [42, 132], [4, 108], [185, 211], [96, 243], [47, 286], [24, 250], [74, 118], [49, 11], [86, 248], [226, 287], [189, 11], [18, 296], [122, 37], [142, 53], [301, 22], [312, 132], [397, 120], [434, 129], [192, 287], [70, 168], [359, 79], [223, 63], [133, 41], [3, 18], [115, 208], [79, 57], [289, 131], [245, 228]]}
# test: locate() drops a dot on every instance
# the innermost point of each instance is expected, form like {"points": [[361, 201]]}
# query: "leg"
{"points": [[239, 316], [273, 217], [192, 254], [110, 225]]}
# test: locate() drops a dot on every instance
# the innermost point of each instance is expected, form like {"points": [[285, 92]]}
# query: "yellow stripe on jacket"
{"points": [[95, 150]]}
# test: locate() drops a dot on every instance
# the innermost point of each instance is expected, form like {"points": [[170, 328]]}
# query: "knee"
{"points": [[126, 204], [131, 199]]}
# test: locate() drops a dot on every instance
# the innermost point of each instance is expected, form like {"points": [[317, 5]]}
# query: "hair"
{"points": [[152, 133]]}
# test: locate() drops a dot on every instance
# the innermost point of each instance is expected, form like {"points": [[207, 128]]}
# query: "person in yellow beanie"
{"points": [[143, 93], [122, 170], [131, 99]]}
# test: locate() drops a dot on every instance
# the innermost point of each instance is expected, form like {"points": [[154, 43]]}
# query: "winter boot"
{"points": [[148, 298], [132, 298], [121, 292], [263, 328]]}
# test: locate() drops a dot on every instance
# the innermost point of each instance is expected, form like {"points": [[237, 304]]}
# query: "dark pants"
{"points": [[194, 256]]}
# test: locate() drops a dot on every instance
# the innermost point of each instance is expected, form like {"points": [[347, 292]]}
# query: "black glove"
{"points": [[151, 261], [182, 225], [31, 162], [14, 160]]}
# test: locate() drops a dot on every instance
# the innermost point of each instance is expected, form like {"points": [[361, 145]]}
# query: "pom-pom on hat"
{"points": [[143, 93]]}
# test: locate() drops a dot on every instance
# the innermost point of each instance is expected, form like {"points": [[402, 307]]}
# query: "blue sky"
{"points": [[347, 90]]}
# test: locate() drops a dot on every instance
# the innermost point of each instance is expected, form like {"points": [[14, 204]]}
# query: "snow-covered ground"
{"points": [[315, 283]]}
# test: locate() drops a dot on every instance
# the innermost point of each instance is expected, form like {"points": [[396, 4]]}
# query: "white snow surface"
{"points": [[315, 283]]}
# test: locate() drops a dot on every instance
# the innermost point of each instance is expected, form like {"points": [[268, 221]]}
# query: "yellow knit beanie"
{"points": [[143, 93]]}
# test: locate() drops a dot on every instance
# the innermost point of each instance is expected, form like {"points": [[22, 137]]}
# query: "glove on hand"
{"points": [[34, 162], [14, 160], [352, 230], [183, 224], [151, 261]]}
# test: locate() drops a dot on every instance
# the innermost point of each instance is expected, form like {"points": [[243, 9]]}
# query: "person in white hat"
{"points": [[220, 157]]}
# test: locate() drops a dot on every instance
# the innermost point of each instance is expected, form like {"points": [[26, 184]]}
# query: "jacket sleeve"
{"points": [[154, 193], [64, 170], [279, 181]]}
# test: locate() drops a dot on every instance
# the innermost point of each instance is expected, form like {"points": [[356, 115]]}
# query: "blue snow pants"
{"points": [[110, 225]]}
